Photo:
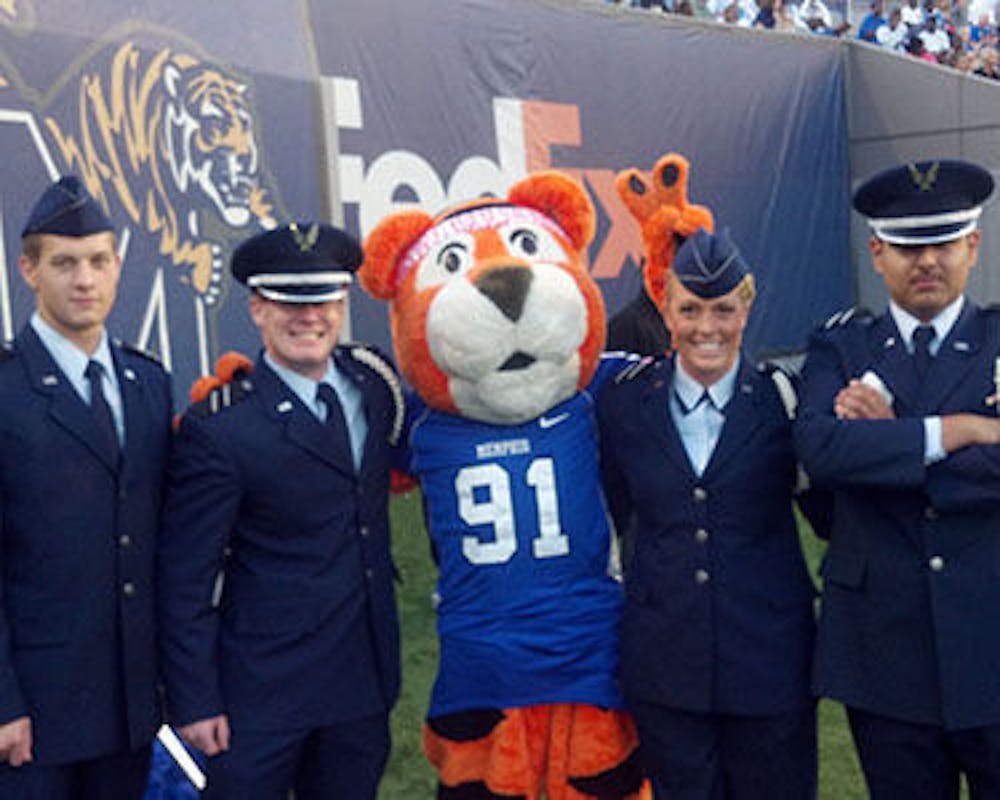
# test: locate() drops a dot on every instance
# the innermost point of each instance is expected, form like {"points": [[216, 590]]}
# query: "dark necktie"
{"points": [[705, 399], [335, 419], [101, 410], [922, 338]]}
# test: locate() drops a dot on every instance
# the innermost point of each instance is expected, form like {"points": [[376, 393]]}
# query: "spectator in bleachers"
{"points": [[936, 41], [765, 17], [892, 35], [872, 22], [978, 9], [912, 14], [988, 64], [916, 48]]}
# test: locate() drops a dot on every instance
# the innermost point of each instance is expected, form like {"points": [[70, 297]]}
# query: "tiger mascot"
{"points": [[150, 134], [499, 329]]}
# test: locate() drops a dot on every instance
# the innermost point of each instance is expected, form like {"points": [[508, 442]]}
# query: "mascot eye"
{"points": [[524, 242], [533, 243], [454, 258]]}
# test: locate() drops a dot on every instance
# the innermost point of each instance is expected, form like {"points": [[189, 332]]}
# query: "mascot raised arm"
{"points": [[499, 329], [659, 203]]}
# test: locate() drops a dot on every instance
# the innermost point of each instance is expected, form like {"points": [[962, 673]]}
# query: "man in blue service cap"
{"points": [[84, 433], [279, 480], [717, 630], [899, 418]]}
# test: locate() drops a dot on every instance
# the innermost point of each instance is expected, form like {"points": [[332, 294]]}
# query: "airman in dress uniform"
{"points": [[279, 482], [718, 626], [899, 418], [84, 435]]}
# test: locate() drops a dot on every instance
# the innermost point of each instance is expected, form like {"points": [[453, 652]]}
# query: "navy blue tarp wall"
{"points": [[201, 123]]}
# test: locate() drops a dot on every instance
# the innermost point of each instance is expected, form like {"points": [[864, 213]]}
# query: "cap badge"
{"points": [[924, 181], [304, 240]]}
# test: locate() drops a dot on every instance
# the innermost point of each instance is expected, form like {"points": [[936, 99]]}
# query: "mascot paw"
{"points": [[659, 202]]}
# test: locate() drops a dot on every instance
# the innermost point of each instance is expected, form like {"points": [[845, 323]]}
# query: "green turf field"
{"points": [[409, 777]]}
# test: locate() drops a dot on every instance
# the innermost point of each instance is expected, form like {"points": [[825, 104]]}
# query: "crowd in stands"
{"points": [[958, 33]]}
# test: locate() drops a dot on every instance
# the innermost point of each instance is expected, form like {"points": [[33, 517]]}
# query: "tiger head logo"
{"points": [[494, 316], [159, 136]]}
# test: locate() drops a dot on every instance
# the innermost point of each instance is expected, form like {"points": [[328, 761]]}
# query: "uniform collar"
{"points": [[689, 391], [942, 323], [69, 357]]}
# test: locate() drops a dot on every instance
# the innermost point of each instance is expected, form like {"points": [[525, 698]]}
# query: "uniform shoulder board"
{"points": [[634, 369], [852, 314], [222, 397], [783, 384], [129, 348], [380, 365], [790, 400], [992, 308]]}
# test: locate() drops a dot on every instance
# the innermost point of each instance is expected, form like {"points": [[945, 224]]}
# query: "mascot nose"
{"points": [[507, 287]]}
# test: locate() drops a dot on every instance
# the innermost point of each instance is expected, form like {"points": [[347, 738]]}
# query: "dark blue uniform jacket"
{"points": [[911, 605], [77, 543], [305, 633]]}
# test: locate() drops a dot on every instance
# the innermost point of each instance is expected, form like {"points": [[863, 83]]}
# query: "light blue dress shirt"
{"points": [[699, 418], [348, 394], [73, 363]]}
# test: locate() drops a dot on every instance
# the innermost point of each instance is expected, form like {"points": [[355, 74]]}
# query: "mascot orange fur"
{"points": [[499, 329], [660, 204]]}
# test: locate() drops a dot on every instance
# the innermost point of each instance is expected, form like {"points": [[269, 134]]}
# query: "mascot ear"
{"points": [[562, 198], [385, 246]]}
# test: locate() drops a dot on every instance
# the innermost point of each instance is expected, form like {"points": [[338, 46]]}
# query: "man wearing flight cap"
{"points": [[717, 630], [84, 434], [899, 418], [280, 481]]}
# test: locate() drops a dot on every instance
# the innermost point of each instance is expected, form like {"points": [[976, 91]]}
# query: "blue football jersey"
{"points": [[528, 596]]}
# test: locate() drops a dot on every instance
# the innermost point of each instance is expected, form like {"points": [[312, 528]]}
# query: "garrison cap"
{"points": [[709, 265], [66, 208], [301, 262], [927, 202]]}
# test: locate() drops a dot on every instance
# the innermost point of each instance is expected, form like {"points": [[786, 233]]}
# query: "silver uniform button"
{"points": [[936, 563], [363, 531], [701, 536], [930, 513], [369, 573], [124, 540], [701, 576], [128, 589], [699, 494]]}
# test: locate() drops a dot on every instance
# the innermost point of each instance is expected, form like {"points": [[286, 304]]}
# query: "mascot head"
{"points": [[494, 316], [659, 202]]}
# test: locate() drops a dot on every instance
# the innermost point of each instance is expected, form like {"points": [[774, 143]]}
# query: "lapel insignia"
{"points": [[284, 406], [129, 374], [304, 240], [924, 181], [746, 388], [962, 347], [890, 342], [50, 380]]}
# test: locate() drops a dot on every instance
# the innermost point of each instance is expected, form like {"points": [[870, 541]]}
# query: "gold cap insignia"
{"points": [[304, 240], [925, 182]]}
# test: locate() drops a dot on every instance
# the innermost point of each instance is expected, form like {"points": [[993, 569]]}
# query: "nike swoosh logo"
{"points": [[551, 422]]}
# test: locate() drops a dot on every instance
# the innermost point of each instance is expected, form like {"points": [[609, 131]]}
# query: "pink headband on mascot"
{"points": [[475, 219]]}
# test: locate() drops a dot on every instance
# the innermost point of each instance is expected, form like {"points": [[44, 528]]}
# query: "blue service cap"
{"points": [[709, 266], [927, 202], [302, 262], [66, 208]]}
